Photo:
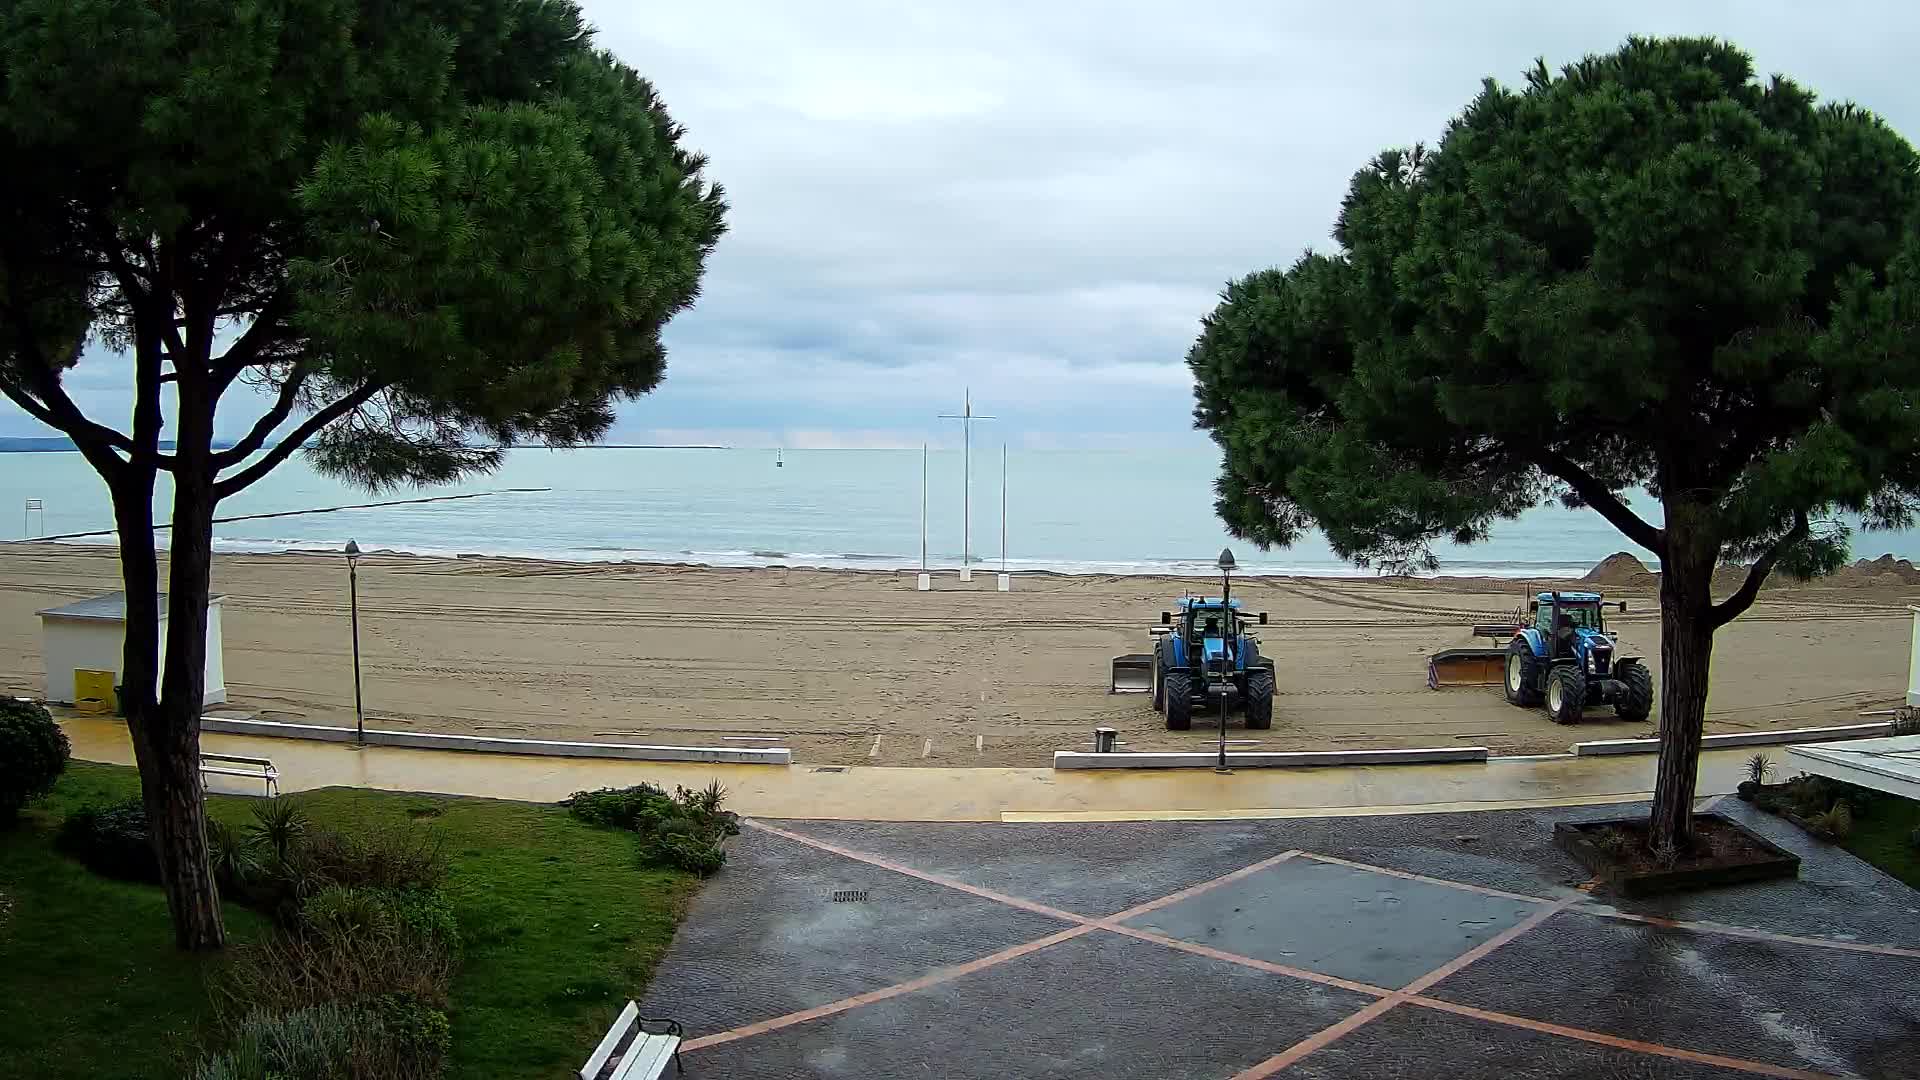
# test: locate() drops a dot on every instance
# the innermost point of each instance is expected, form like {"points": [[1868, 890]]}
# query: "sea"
{"points": [[1067, 511]]}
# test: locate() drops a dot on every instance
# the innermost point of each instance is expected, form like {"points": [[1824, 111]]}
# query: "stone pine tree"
{"points": [[396, 235], [1650, 270]]}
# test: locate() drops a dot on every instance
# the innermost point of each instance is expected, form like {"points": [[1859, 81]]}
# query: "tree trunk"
{"points": [[176, 805], [1686, 655]]}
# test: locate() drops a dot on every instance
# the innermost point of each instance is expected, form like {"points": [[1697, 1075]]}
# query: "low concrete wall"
{"points": [[420, 740], [1079, 759], [1743, 738]]}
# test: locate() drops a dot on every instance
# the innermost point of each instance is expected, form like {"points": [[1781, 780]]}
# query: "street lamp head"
{"points": [[1226, 563], [353, 551]]}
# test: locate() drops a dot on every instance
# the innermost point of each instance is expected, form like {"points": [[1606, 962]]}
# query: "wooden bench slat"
{"points": [[647, 1058], [612, 1041]]}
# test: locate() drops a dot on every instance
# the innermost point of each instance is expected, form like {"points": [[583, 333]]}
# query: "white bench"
{"points": [[631, 1052], [253, 768]]}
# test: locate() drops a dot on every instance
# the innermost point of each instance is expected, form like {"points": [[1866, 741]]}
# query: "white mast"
{"points": [[966, 417], [1003, 508], [923, 506]]}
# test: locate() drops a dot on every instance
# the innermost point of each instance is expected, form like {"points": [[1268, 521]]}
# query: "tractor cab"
{"points": [[1571, 623]]}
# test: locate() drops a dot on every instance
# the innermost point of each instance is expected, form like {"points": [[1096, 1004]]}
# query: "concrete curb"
{"points": [[1079, 759], [1604, 747], [420, 740]]}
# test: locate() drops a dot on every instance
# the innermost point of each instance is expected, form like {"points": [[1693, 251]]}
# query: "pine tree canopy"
{"points": [[1651, 269], [420, 228]]}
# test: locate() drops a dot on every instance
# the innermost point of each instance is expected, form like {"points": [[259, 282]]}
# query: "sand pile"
{"points": [[1885, 570], [1618, 569]]}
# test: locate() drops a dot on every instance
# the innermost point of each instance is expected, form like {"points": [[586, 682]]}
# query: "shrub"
{"points": [[690, 853], [334, 959], [421, 919], [236, 861], [391, 1037], [389, 858], [415, 1030], [112, 841], [33, 752], [1758, 766], [617, 808], [1906, 721], [277, 825], [314, 1043], [685, 830], [1834, 823]]}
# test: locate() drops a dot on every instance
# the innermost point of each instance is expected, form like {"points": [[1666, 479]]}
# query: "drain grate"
{"points": [[850, 896], [830, 768]]}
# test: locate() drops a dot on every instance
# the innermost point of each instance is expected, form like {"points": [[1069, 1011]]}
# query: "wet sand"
{"points": [[859, 668]]}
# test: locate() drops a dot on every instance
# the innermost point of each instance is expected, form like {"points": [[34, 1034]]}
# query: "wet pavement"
{"points": [[1451, 945]]}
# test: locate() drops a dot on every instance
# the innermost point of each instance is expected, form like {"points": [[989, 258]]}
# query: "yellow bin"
{"points": [[93, 691]]}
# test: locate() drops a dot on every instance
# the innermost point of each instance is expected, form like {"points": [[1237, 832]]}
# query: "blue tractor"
{"points": [[1203, 654], [1566, 658]]}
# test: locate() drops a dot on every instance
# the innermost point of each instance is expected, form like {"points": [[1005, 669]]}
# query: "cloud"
{"points": [[1040, 201]]}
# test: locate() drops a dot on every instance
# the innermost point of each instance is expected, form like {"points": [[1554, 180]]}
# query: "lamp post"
{"points": [[1231, 650], [353, 594]]}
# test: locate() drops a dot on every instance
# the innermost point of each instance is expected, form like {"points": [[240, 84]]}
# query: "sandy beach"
{"points": [[851, 667]]}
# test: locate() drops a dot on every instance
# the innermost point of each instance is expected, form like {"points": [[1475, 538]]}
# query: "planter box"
{"points": [[1762, 861]]}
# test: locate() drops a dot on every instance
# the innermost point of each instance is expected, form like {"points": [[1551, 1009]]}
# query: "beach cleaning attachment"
{"points": [[1474, 665]]}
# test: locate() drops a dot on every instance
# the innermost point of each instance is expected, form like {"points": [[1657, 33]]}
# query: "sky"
{"points": [[1039, 201]]}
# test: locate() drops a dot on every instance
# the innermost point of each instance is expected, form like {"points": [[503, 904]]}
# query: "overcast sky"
{"points": [[1040, 200]]}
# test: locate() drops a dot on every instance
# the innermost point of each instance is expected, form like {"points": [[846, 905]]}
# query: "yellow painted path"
{"points": [[969, 794]]}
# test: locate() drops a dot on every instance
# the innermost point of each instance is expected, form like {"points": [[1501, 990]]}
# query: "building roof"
{"points": [[1891, 764], [109, 608]]}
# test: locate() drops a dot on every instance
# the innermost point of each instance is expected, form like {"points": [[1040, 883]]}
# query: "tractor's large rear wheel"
{"points": [[1260, 699], [1523, 675], [1178, 688], [1639, 700], [1566, 694]]}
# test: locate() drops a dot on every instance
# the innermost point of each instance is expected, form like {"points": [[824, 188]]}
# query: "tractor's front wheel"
{"points": [[1638, 701], [1566, 694], [1178, 688], [1260, 699], [1523, 680]]}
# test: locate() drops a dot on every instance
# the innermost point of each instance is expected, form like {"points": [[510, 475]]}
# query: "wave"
{"points": [[871, 561], [748, 557]]}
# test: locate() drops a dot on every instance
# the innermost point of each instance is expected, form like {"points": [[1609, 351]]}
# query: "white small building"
{"points": [[89, 635]]}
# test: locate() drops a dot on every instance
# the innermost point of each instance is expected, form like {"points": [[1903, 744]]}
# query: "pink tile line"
{"points": [[1758, 1067], [902, 868], [1328, 1035], [1388, 999], [1083, 925]]}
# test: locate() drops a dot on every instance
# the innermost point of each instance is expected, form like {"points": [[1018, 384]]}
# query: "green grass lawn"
{"points": [[560, 928], [1883, 838]]}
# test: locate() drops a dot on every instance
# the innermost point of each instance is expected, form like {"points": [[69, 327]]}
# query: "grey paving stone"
{"points": [[1824, 1010], [1356, 924], [1411, 1043], [1097, 1007], [764, 937], [1093, 868]]}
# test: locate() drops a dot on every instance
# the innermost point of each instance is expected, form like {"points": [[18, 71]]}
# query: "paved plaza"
{"points": [[1437, 945]]}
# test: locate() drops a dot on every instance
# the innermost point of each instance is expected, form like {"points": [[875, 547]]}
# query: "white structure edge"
{"points": [[1604, 747], [421, 740], [1080, 759]]}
